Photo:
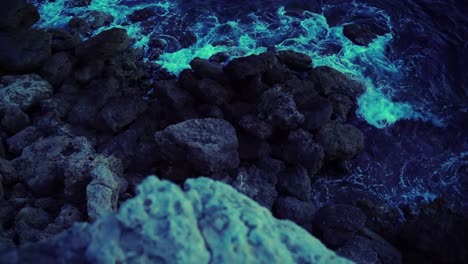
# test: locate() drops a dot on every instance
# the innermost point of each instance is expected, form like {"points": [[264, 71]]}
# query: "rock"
{"points": [[211, 92], [341, 107], [17, 14], [85, 73], [278, 74], [7, 215], [256, 184], [295, 60], [24, 51], [295, 181], [102, 193], [335, 82], [270, 165], [68, 215], [303, 91], [252, 148], [143, 14], [359, 34], [207, 145], [210, 111], [236, 110], [241, 68], [6, 244], [57, 68], [14, 120], [85, 25], [337, 224], [106, 44], [176, 97], [120, 112], [23, 91], [256, 126], [206, 69], [301, 149], [34, 217], [80, 3], [300, 212], [317, 114], [63, 40], [8, 172], [340, 142], [2, 192], [280, 109], [19, 141], [3, 151], [209, 222]]}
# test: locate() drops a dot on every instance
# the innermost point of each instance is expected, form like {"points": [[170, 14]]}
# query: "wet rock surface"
{"points": [[83, 122]]}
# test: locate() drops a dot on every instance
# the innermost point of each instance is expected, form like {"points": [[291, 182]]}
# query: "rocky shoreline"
{"points": [[79, 132]]}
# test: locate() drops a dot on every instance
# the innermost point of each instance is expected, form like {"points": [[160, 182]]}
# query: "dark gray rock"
{"points": [[270, 165], [337, 224], [211, 92], [24, 50], [57, 68], [295, 181], [335, 82], [341, 107], [278, 74], [300, 212], [340, 142], [359, 34], [120, 112], [19, 141], [106, 44], [257, 184], [280, 109], [303, 91], [251, 148], [89, 71], [301, 149], [34, 217], [295, 60], [17, 14], [256, 126], [14, 120], [317, 114], [206, 69], [62, 40], [68, 215], [241, 68], [175, 96], [85, 24], [8, 172], [207, 145]]}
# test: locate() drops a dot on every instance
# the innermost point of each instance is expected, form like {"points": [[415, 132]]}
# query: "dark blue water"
{"points": [[414, 112]]}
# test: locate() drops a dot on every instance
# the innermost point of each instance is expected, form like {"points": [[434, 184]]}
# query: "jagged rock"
{"points": [[176, 97], [102, 193], [85, 73], [270, 165], [241, 68], [359, 34], [295, 60], [63, 40], [120, 112], [341, 107], [335, 82], [24, 50], [207, 69], [303, 91], [14, 120], [17, 14], [142, 14], [19, 141], [209, 222], [211, 92], [256, 184], [295, 181], [106, 44], [300, 212], [340, 141], [256, 126], [301, 149], [278, 74], [23, 91], [317, 114], [337, 224], [87, 23], [57, 68], [280, 109], [68, 215], [207, 145]]}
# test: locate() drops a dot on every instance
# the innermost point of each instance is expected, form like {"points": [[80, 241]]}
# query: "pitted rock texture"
{"points": [[207, 222]]}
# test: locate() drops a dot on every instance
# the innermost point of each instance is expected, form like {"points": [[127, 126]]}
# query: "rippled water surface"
{"points": [[414, 112]]}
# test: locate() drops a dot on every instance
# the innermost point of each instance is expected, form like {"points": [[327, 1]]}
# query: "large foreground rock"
{"points": [[207, 145], [209, 222]]}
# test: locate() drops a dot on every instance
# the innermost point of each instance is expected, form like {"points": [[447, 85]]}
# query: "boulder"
{"points": [[340, 141], [8, 172], [24, 51], [280, 109], [296, 61], [23, 91], [342, 105], [211, 92], [106, 44], [68, 215], [17, 14], [317, 114], [337, 224], [85, 25], [24, 138], [251, 148], [301, 149], [303, 91], [207, 145], [120, 112], [241, 68], [57, 68], [14, 120], [256, 184], [208, 222], [206, 69], [300, 212], [335, 82], [256, 126], [295, 181], [359, 34], [62, 40]]}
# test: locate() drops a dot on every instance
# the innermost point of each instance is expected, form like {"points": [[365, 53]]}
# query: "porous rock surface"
{"points": [[207, 222]]}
